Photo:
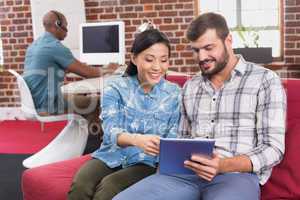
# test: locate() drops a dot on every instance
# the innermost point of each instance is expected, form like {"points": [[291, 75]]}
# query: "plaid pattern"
{"points": [[245, 116]]}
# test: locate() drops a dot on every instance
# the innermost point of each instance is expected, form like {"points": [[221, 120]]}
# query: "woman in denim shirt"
{"points": [[137, 109]]}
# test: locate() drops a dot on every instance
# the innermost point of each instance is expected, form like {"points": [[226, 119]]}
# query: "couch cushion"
{"points": [[52, 181], [284, 182]]}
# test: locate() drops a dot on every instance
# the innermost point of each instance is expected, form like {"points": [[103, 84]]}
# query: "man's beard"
{"points": [[219, 65]]}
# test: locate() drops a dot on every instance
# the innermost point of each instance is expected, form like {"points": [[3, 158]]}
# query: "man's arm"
{"points": [[86, 71], [241, 163], [270, 125]]}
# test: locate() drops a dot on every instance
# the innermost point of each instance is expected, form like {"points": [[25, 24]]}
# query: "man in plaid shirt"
{"points": [[239, 104]]}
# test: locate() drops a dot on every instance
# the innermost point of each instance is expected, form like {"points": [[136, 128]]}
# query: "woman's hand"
{"points": [[149, 143]]}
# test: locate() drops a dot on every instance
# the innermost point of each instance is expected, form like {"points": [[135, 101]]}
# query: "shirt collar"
{"points": [[238, 70], [48, 34], [240, 67], [155, 90]]}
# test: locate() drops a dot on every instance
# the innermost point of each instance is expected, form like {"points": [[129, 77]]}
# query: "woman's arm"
{"points": [[115, 133], [149, 143]]}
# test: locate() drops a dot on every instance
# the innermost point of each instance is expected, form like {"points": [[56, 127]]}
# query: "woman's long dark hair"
{"points": [[142, 42]]}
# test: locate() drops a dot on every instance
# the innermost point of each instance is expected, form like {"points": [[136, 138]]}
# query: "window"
{"points": [[262, 17]]}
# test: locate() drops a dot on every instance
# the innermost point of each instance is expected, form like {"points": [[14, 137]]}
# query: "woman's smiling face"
{"points": [[152, 64]]}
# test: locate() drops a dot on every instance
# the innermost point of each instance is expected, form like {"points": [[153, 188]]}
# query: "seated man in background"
{"points": [[240, 105], [46, 62]]}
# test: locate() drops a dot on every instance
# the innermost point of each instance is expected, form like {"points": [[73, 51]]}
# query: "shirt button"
{"points": [[214, 99], [212, 121]]}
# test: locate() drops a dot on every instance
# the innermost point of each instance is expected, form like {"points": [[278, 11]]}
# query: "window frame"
{"points": [[281, 24]]}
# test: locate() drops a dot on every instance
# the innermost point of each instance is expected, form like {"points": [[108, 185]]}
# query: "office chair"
{"points": [[69, 143]]}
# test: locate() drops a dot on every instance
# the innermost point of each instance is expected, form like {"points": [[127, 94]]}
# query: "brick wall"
{"points": [[171, 16], [292, 38], [16, 34], [292, 31]]}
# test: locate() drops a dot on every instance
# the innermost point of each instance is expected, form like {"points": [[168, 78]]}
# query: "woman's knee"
{"points": [[112, 183], [86, 179], [108, 188], [80, 190]]}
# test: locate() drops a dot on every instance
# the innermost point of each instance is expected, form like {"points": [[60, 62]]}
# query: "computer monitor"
{"points": [[102, 43]]}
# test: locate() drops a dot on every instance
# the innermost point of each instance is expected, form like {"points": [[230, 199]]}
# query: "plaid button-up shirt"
{"points": [[246, 116]]}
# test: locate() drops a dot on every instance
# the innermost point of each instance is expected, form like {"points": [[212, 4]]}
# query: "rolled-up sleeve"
{"points": [[62, 55], [111, 115], [270, 125]]}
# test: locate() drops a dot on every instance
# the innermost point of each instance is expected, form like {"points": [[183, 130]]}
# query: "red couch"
{"points": [[52, 182]]}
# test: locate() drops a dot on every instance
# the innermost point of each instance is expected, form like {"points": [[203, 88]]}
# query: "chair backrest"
{"points": [[27, 104]]}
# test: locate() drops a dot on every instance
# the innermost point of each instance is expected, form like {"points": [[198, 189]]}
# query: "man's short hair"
{"points": [[207, 21]]}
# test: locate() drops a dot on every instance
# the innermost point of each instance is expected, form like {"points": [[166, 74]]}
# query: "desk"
{"points": [[83, 97], [95, 85], [90, 85], [85, 86]]}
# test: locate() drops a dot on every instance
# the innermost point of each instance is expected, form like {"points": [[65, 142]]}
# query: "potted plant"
{"points": [[251, 51]]}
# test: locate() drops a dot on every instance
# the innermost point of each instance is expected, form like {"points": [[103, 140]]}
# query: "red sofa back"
{"points": [[285, 180]]}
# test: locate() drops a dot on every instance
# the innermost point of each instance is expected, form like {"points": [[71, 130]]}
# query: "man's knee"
{"points": [[230, 195], [234, 187]]}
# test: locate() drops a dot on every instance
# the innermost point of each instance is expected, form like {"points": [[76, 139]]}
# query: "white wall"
{"points": [[11, 113], [74, 12]]}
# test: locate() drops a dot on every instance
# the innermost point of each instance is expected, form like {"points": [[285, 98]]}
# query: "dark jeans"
{"points": [[97, 181]]}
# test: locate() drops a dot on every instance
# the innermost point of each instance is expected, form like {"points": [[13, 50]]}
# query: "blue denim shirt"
{"points": [[126, 108]]}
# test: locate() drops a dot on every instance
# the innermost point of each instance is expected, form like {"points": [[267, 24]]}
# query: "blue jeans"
{"points": [[229, 186]]}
